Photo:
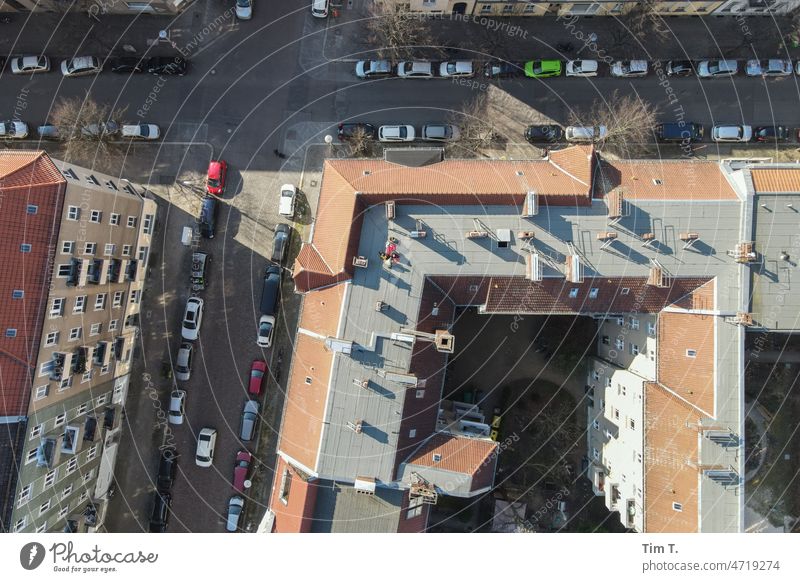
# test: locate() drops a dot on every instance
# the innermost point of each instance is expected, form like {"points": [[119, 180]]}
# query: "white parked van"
{"points": [[319, 8]]}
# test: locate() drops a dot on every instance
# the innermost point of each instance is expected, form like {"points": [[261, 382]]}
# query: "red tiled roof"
{"points": [[321, 310], [23, 169], [457, 454], [775, 180], [296, 515]]}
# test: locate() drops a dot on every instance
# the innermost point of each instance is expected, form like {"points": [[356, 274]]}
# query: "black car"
{"points": [[771, 133], [679, 132], [167, 467], [502, 69], [160, 516], [167, 66], [348, 130], [280, 240], [680, 68], [544, 133], [127, 65], [208, 217]]}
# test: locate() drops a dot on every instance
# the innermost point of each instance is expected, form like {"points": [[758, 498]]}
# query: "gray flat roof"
{"points": [[342, 509]]}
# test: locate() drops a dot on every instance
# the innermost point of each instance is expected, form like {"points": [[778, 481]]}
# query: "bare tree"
{"points": [[477, 131], [644, 21], [396, 30], [360, 144], [88, 129], [628, 120]]}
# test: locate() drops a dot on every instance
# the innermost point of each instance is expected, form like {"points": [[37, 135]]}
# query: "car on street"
{"points": [[440, 132], [387, 133], [200, 267], [100, 129], [415, 69], [287, 200], [30, 64], [549, 133], [241, 469], [207, 221], [680, 68], [145, 131], [192, 319], [346, 131], [206, 441], [257, 372], [585, 134], [771, 133], [452, 69], [247, 426], [127, 65], [319, 8], [373, 69], [629, 69], [731, 133], [167, 66], [244, 9], [270, 291], [769, 68], [709, 69], [13, 130], [542, 69], [582, 68], [159, 518], [266, 328], [167, 467], [47, 131], [177, 406], [80, 66], [215, 178], [679, 132], [502, 69], [183, 362], [280, 242], [235, 506]]}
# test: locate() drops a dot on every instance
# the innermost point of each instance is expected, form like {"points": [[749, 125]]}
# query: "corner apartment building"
{"points": [[97, 8], [81, 361], [674, 259]]}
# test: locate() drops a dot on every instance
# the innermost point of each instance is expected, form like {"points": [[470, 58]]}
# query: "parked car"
{"points": [[502, 69], [247, 427], [183, 362], [731, 133], [270, 290], [80, 66], [415, 69], [13, 130], [679, 132], [542, 69], [771, 133], [387, 133], [47, 131], [680, 68], [717, 68], [177, 406], [159, 518], [280, 242], [206, 441], [200, 263], [257, 372], [30, 64], [241, 469], [452, 69], [146, 131], [583, 134], [582, 68], [319, 8], [167, 467], [100, 129], [769, 68], [629, 69], [192, 319], [288, 197], [266, 328], [215, 178], [373, 69], [207, 221], [167, 66], [440, 132], [235, 506], [244, 9], [127, 65], [347, 131], [544, 133]]}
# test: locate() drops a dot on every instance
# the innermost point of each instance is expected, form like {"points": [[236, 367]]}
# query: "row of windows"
{"points": [[96, 217], [78, 411], [90, 248], [43, 391], [58, 304], [22, 522]]}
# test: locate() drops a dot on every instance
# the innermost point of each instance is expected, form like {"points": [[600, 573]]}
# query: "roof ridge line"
{"points": [[19, 153], [550, 160], [681, 399]]}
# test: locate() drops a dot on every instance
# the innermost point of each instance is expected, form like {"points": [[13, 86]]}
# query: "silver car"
{"points": [[183, 363], [440, 132], [717, 68], [769, 68], [247, 429], [235, 506], [80, 66], [30, 64], [177, 406]]}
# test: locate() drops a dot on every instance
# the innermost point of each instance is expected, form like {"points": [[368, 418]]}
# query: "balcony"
{"points": [[98, 271], [614, 497], [71, 442], [116, 271], [77, 274], [48, 453], [132, 270], [598, 480], [112, 417], [630, 513], [82, 360], [61, 361], [92, 432], [102, 354]]}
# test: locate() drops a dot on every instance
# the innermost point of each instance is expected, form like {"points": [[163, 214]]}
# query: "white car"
{"points": [[584, 134], [206, 440], [440, 132], [235, 506], [415, 69], [244, 9], [30, 64], [373, 69], [192, 319], [396, 133], [629, 69], [80, 66], [711, 69], [731, 133], [13, 130], [177, 402], [587, 68], [141, 131], [451, 69], [288, 196], [266, 329], [769, 68]]}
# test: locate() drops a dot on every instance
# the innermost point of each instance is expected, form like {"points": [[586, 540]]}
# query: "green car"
{"points": [[542, 69]]}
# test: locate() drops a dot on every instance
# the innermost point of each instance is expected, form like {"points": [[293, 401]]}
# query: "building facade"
{"points": [[96, 8]]}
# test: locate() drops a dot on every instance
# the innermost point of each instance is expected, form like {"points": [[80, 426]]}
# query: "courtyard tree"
{"points": [[477, 131], [396, 30], [88, 130]]}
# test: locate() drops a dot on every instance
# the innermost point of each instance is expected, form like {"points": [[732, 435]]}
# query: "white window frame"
{"points": [[59, 311], [63, 270], [100, 301], [51, 338], [147, 221], [108, 249], [60, 419], [80, 304], [67, 247], [126, 250], [131, 222], [73, 212], [89, 248], [691, 353], [75, 334], [96, 216], [113, 219], [42, 392], [96, 328]]}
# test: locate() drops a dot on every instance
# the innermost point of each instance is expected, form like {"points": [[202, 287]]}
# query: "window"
{"points": [[32, 209], [63, 271], [620, 344], [634, 350], [100, 302], [117, 302], [95, 216], [605, 340], [11, 332], [41, 392], [104, 369], [621, 389], [596, 424], [41, 528], [84, 496], [74, 334], [420, 393], [109, 249], [57, 307], [95, 329], [530, 7], [135, 296], [60, 419], [131, 222], [24, 248], [112, 325], [80, 304], [634, 323], [82, 408], [67, 247], [72, 464], [286, 485], [102, 399], [632, 424], [593, 293], [36, 431], [573, 293], [46, 367], [143, 254], [86, 376], [508, 8], [620, 321], [147, 224], [21, 523], [62, 513], [91, 453], [90, 248], [87, 476], [31, 456], [651, 328], [677, 506], [51, 338], [73, 213], [126, 250], [652, 355], [639, 457], [486, 7], [625, 291], [92, 180], [44, 507], [113, 220], [595, 375], [17, 294], [50, 478], [412, 433], [691, 353], [595, 454], [65, 383]]}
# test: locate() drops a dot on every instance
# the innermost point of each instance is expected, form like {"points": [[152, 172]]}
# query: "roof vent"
{"points": [[657, 181], [367, 172], [437, 457], [520, 173], [365, 485], [356, 427]]}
